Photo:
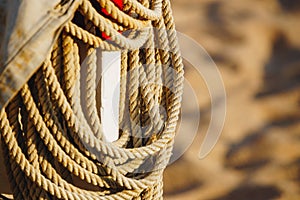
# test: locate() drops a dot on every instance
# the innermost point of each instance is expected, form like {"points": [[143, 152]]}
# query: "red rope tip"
{"points": [[119, 4]]}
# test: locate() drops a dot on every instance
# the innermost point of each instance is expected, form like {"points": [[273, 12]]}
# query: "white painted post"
{"points": [[110, 93]]}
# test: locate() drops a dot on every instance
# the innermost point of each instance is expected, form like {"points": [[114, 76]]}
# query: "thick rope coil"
{"points": [[52, 138]]}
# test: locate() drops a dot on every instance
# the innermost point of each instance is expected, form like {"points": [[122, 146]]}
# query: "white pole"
{"points": [[110, 93]]}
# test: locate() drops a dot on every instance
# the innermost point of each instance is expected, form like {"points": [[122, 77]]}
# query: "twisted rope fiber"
{"points": [[53, 149]]}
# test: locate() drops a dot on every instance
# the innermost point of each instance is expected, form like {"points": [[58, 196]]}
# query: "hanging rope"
{"points": [[54, 150]]}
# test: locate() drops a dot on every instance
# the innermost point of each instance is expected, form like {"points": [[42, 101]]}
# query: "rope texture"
{"points": [[52, 138]]}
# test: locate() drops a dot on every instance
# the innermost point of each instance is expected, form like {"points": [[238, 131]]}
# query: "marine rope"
{"points": [[55, 150]]}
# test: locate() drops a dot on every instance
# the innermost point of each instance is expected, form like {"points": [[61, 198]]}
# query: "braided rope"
{"points": [[53, 149]]}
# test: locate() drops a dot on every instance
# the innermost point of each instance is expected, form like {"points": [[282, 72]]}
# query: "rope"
{"points": [[53, 142]]}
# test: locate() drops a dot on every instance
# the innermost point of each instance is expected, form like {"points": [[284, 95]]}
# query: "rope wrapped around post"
{"points": [[53, 150]]}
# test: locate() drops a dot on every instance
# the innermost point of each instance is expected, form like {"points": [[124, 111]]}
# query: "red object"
{"points": [[119, 4]]}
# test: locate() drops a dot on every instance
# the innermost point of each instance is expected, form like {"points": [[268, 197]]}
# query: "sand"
{"points": [[256, 47]]}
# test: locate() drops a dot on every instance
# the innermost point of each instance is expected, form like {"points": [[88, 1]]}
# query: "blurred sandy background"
{"points": [[256, 46]]}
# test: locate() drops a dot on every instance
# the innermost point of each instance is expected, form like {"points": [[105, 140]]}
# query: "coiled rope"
{"points": [[55, 150]]}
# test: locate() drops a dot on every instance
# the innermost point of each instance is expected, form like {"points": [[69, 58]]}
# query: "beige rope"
{"points": [[53, 149]]}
